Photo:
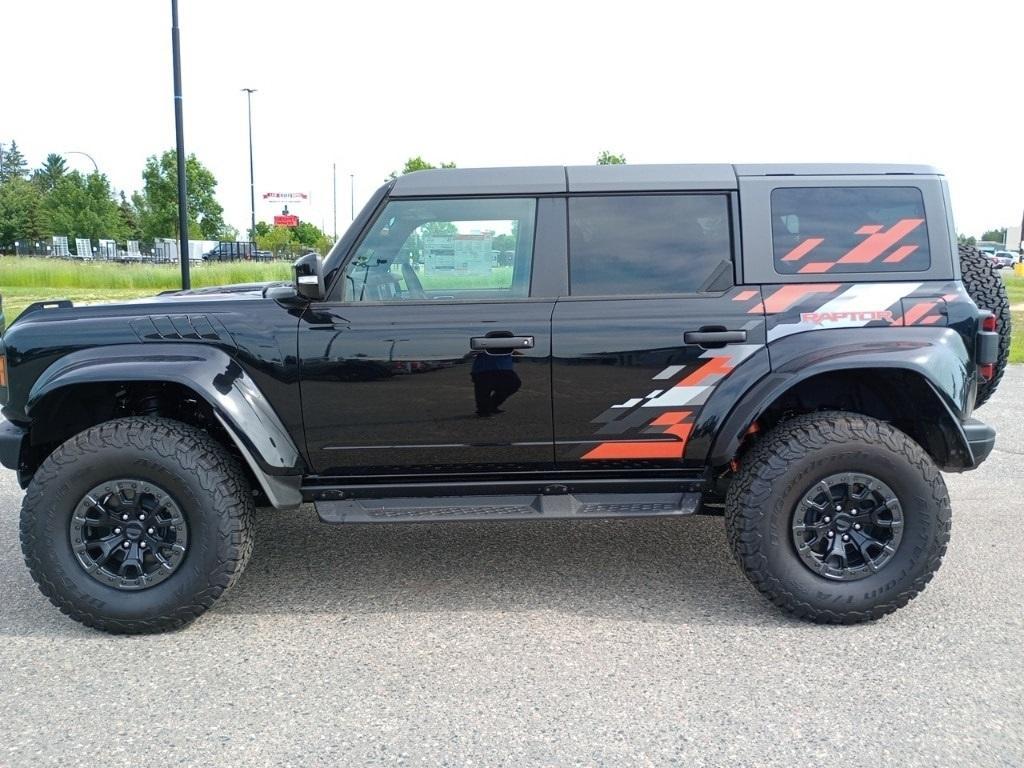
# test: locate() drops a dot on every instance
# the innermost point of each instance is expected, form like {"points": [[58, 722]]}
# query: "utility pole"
{"points": [[179, 129], [352, 195], [334, 181], [252, 178]]}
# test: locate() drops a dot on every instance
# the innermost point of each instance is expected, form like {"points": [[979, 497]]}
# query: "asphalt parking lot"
{"points": [[593, 643]]}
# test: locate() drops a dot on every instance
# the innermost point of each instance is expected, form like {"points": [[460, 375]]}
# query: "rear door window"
{"points": [[634, 245], [836, 230]]}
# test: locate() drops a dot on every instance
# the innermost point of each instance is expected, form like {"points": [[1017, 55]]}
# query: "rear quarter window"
{"points": [[837, 230]]}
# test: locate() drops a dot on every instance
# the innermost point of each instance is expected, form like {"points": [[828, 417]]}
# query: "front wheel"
{"points": [[137, 525], [837, 517]]}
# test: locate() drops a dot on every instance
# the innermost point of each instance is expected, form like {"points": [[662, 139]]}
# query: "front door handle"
{"points": [[501, 342], [714, 338]]}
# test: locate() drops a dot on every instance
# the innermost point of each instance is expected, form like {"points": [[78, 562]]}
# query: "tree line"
{"points": [[38, 203], [51, 199], [990, 235]]}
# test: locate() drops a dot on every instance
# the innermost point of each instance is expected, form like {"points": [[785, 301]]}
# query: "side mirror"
{"points": [[309, 279]]}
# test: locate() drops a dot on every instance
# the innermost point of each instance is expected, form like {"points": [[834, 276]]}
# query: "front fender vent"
{"points": [[179, 328]]}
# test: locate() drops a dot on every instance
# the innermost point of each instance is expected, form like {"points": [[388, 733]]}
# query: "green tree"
{"points": [[963, 239], [504, 242], [129, 219], [311, 236], [417, 164], [21, 212], [995, 235], [607, 158], [291, 239], [306, 234], [279, 240], [12, 163], [262, 230], [157, 203], [51, 171], [84, 206]]}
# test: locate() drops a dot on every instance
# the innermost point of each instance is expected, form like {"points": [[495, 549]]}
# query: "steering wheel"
{"points": [[412, 282]]}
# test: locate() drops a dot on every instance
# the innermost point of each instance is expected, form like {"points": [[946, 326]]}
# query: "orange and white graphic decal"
{"points": [[847, 306], [876, 244], [665, 416]]}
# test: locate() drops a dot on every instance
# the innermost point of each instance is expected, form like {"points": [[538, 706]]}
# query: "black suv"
{"points": [[798, 348]]}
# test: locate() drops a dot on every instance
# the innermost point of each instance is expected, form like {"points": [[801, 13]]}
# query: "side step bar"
{"points": [[563, 506]]}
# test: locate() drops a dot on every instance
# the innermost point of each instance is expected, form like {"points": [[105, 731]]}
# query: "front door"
{"points": [[432, 356], [652, 326]]}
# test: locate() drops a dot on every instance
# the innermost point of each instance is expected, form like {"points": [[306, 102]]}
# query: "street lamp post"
{"points": [[179, 130], [252, 178], [95, 167]]}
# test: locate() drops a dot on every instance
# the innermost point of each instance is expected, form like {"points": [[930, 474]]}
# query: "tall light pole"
{"points": [[179, 129], [334, 182], [352, 195], [252, 178]]}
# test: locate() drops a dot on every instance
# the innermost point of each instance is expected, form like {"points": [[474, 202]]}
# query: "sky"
{"points": [[367, 85]]}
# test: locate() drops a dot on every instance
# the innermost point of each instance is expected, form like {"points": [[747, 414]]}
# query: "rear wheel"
{"points": [[837, 517], [985, 286], [137, 525]]}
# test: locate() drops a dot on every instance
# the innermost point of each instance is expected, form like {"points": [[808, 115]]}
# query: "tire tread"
{"points": [[986, 287]]}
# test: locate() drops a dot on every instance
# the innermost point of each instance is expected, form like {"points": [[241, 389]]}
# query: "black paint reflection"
{"points": [[494, 382]]}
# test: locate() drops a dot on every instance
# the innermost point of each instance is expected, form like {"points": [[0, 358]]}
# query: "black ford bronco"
{"points": [[797, 348]]}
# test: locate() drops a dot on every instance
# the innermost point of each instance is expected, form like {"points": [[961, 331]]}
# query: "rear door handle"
{"points": [[709, 338], [501, 342]]}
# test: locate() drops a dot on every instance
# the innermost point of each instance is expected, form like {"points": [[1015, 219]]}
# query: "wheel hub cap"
{"points": [[847, 526], [133, 553]]}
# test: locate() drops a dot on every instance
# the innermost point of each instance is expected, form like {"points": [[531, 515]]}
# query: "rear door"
{"points": [[652, 325]]}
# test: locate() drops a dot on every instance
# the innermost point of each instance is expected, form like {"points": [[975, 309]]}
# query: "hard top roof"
{"points": [[555, 179]]}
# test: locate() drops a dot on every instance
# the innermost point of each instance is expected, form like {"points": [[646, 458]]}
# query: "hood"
{"points": [[236, 291], [54, 309]]}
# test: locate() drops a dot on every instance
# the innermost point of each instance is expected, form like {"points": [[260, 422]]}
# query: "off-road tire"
{"points": [[986, 287], [778, 471], [203, 478]]}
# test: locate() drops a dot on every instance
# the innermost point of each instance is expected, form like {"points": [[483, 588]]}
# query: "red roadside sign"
{"points": [[286, 221]]}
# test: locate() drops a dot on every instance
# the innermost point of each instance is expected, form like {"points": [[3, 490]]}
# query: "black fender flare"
{"points": [[937, 355], [242, 410]]}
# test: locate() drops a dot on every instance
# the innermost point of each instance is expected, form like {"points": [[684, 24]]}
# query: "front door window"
{"points": [[444, 250]]}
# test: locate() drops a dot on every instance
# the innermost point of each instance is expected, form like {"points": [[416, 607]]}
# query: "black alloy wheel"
{"points": [[847, 526], [129, 534]]}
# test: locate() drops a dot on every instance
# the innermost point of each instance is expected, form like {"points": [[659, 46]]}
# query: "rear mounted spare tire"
{"points": [[986, 287]]}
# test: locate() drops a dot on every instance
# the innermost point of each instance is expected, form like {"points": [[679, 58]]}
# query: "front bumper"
{"points": [[981, 438], [12, 438]]}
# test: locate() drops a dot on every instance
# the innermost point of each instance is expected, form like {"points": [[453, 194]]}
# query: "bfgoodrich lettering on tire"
{"points": [[137, 525], [837, 517]]}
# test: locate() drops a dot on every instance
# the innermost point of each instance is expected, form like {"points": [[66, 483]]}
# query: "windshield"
{"points": [[348, 239]]}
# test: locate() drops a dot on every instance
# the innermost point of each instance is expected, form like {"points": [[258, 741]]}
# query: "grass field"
{"points": [[1015, 290], [24, 281], [53, 273]]}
